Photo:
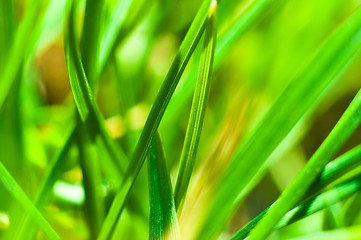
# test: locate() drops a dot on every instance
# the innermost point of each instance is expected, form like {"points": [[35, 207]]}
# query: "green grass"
{"points": [[242, 110]]}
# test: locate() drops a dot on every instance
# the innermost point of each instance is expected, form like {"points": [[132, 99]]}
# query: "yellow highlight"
{"points": [[213, 7]]}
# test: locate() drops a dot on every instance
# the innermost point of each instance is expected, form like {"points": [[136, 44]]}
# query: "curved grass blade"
{"points": [[156, 113], [15, 190], [163, 217], [198, 110], [299, 97], [330, 174], [339, 134], [84, 98], [91, 39]]}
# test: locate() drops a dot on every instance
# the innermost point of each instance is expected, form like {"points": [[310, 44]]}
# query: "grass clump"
{"points": [[266, 148]]}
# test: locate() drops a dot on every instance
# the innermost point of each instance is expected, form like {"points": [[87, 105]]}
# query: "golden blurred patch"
{"points": [[54, 74]]}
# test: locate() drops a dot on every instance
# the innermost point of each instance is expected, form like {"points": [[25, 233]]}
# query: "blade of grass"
{"points": [[324, 200], [156, 113], [198, 110], [337, 168], [248, 19], [340, 133], [299, 97], [163, 223], [309, 206], [90, 47], [91, 39], [84, 98], [94, 203], [330, 174], [16, 191]]}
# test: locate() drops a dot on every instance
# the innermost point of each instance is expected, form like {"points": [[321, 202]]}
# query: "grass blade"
{"points": [[337, 168], [15, 190], [330, 174], [90, 46], [91, 39], [198, 110], [340, 133], [156, 113], [241, 25], [163, 217], [309, 206], [94, 202], [297, 99], [84, 98], [322, 201]]}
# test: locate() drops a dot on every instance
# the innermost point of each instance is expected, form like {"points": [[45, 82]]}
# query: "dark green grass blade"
{"points": [[330, 174], [339, 134], [89, 161], [198, 111], [163, 217], [156, 113], [297, 99], [83, 96], [91, 39], [84, 99], [16, 191], [94, 202]]}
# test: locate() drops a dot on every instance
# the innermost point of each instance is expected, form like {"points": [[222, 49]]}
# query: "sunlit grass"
{"points": [[203, 119]]}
